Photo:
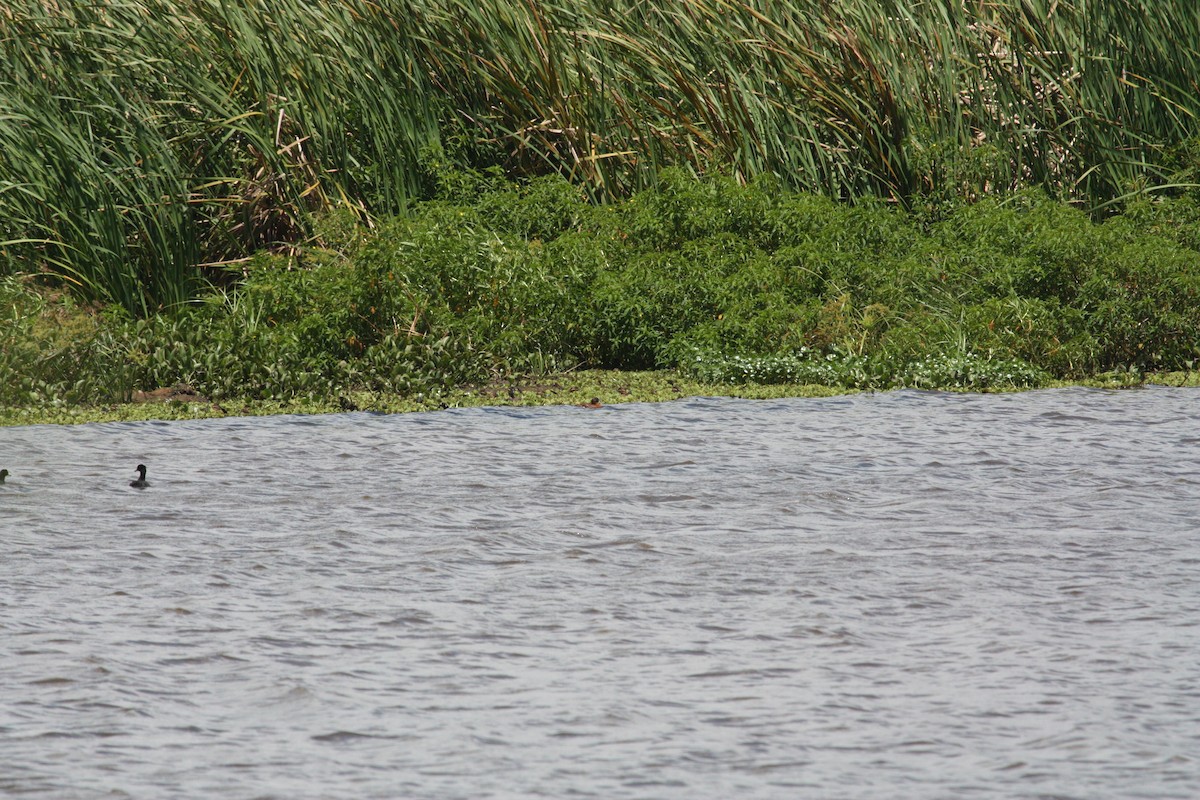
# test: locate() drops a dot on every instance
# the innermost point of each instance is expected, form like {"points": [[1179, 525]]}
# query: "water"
{"points": [[906, 595]]}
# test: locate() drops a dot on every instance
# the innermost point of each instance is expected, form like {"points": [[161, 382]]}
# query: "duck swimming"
{"points": [[3, 475], [141, 482]]}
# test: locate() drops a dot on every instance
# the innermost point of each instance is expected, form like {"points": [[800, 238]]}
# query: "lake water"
{"points": [[902, 595]]}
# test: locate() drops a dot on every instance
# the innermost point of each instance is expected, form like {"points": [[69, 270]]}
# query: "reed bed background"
{"points": [[142, 143]]}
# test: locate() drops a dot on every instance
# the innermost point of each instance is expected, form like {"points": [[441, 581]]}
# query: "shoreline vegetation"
{"points": [[579, 389], [206, 210]]}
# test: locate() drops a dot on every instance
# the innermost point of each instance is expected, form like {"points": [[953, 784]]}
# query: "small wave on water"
{"points": [[909, 594]]}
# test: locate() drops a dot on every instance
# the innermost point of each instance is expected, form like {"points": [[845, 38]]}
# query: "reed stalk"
{"points": [[142, 138]]}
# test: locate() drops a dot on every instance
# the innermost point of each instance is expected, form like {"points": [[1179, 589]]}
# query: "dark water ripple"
{"points": [[908, 595]]}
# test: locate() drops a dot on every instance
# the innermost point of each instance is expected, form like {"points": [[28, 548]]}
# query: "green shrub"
{"points": [[752, 286], [1176, 219], [540, 210], [681, 209], [1144, 306]]}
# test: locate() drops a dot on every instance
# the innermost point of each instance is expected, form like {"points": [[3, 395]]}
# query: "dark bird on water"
{"points": [[141, 482], [3, 475], [594, 404]]}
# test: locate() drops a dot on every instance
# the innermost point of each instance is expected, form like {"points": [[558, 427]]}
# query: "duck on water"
{"points": [[3, 475], [140, 482]]}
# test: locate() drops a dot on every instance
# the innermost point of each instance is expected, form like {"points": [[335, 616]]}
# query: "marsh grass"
{"points": [[139, 140], [719, 281], [847, 99]]}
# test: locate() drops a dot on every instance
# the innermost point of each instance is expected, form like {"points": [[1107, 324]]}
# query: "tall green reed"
{"points": [[836, 97], [141, 138]]}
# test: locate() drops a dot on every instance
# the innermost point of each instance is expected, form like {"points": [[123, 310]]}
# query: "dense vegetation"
{"points": [[716, 279], [296, 199]]}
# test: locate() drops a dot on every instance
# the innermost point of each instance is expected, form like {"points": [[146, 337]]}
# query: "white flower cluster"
{"points": [[970, 371]]}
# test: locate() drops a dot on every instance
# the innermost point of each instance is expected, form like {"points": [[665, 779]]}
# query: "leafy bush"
{"points": [[753, 286]]}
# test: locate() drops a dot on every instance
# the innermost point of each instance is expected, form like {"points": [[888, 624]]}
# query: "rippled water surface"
{"points": [[904, 595]]}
